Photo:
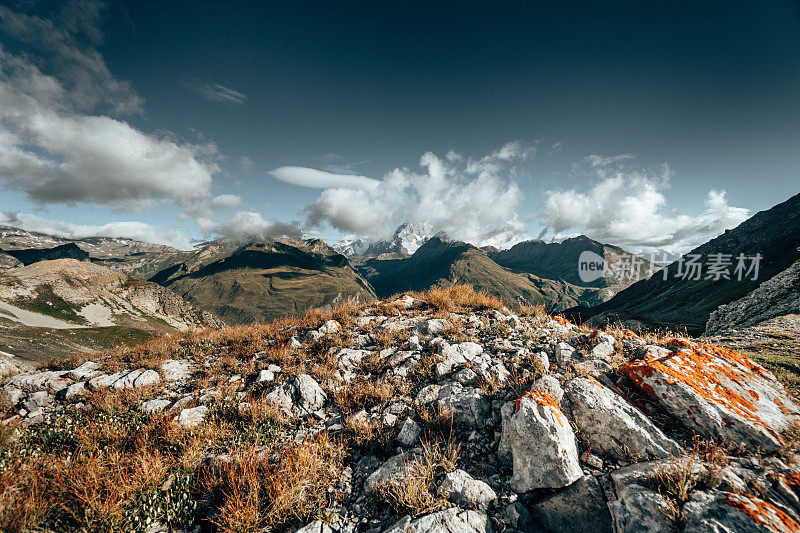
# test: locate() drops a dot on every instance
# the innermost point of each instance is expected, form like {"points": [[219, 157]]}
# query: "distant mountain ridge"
{"points": [[773, 235], [442, 262], [559, 260]]}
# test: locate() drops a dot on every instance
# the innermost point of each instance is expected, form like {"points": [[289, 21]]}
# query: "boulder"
{"points": [[579, 508], [717, 392], [638, 509], [311, 397], [471, 408], [87, 370], [542, 444], [393, 470], [465, 491], [457, 354], [192, 417], [453, 520], [612, 426], [726, 511], [549, 385], [409, 433], [317, 526]]}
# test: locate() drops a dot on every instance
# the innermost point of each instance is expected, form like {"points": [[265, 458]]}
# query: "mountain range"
{"points": [[258, 280], [679, 297]]}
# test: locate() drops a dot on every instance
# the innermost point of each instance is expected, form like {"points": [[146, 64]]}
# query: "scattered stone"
{"points": [[192, 417], [176, 370], [155, 406], [87, 370], [718, 392], [409, 433], [638, 509], [465, 491], [725, 511], [550, 386], [453, 520]]}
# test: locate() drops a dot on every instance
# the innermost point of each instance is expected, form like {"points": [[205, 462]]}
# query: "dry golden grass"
{"points": [[532, 311], [362, 393], [455, 297], [252, 493], [414, 493]]}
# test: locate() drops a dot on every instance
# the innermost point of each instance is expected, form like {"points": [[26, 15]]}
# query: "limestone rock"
{"points": [[717, 392], [542, 445], [465, 491], [579, 508], [612, 426]]}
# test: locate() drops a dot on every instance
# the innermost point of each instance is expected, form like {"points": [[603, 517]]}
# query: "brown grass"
{"points": [[414, 493], [455, 297], [253, 493]]}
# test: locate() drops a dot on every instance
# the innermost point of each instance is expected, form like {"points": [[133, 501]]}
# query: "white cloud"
{"points": [[450, 195], [320, 179], [628, 208], [244, 225], [128, 230], [215, 92], [226, 201], [61, 141]]}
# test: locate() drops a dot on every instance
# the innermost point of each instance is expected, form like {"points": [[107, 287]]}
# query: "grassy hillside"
{"points": [[265, 280]]}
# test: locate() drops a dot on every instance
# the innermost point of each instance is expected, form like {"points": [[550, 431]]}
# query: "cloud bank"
{"points": [[627, 207], [469, 199]]}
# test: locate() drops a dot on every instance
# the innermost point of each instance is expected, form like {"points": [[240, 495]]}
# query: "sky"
{"points": [[646, 125]]}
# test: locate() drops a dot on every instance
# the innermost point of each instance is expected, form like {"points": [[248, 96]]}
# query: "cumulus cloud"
{"points": [[216, 92], [244, 225], [321, 179], [129, 230], [63, 139], [466, 198], [628, 208], [226, 201]]}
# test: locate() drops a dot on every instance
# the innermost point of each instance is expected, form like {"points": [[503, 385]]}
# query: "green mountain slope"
{"points": [[261, 281], [439, 262]]}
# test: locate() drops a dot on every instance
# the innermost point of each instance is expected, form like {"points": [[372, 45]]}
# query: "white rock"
{"points": [[192, 417], [614, 427], [176, 370], [330, 327], [126, 380], [87, 370], [147, 378], [409, 433], [564, 353], [311, 396], [465, 491], [266, 375], [155, 406], [76, 390], [542, 444], [549, 385], [453, 520], [392, 471], [104, 381], [471, 408]]}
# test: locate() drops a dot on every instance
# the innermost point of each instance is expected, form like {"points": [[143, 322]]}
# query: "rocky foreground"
{"points": [[440, 411]]}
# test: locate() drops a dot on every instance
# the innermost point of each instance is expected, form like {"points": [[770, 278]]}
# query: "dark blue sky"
{"points": [[710, 88]]}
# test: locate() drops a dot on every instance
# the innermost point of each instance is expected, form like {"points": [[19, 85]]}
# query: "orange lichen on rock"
{"points": [[542, 399], [562, 320], [716, 376], [762, 512]]}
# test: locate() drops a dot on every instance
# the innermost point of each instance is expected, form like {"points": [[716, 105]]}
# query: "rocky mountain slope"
{"points": [[441, 412], [440, 262], [133, 257], [559, 261], [29, 256], [54, 307], [685, 302], [260, 281], [776, 297]]}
